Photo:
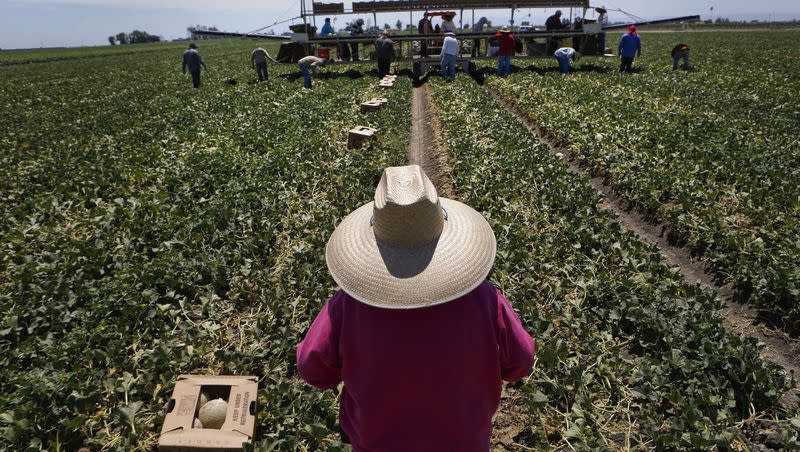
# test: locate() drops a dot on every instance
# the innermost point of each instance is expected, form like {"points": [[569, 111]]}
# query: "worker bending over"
{"points": [[259, 61], [308, 65], [565, 55], [678, 52]]}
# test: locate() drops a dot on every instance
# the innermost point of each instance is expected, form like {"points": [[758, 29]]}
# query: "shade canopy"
{"points": [[389, 6]]}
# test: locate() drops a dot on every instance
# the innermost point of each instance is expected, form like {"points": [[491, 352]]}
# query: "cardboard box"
{"points": [[177, 434], [359, 135], [382, 100], [370, 105]]}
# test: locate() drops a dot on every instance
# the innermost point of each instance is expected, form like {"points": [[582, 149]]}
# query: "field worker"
{"points": [[424, 27], [678, 52], [553, 23], [356, 29], [327, 28], [420, 339], [630, 46], [506, 46], [308, 65], [384, 53], [450, 51], [478, 28], [564, 56], [193, 60], [602, 19], [259, 61], [447, 23]]}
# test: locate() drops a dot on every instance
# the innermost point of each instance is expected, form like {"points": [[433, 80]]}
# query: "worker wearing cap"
{"points": [[419, 337], [193, 60], [565, 55], [450, 50], [308, 65], [259, 61], [630, 46], [356, 30], [678, 52], [384, 53]]}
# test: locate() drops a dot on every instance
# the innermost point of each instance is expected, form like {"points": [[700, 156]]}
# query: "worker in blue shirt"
{"points": [[630, 46], [327, 29]]}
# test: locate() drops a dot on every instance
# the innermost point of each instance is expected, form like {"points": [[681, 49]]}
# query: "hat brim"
{"points": [[380, 275]]}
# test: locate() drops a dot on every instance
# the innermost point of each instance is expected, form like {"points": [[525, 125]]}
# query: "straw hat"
{"points": [[410, 248], [504, 29]]}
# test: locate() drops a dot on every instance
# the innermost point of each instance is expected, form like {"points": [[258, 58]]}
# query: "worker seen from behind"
{"points": [[419, 337], [553, 23], [327, 28], [259, 61], [680, 51], [478, 28], [384, 52], [308, 65], [193, 60], [357, 30], [630, 46], [602, 19], [424, 27], [506, 46], [565, 55], [450, 51]]}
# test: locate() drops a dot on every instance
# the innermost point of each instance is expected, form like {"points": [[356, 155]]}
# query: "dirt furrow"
{"points": [[778, 346], [426, 147]]}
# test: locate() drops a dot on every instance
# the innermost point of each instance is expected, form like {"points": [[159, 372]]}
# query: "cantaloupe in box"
{"points": [[229, 396]]}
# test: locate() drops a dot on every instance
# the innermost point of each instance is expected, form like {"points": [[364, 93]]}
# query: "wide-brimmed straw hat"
{"points": [[410, 248], [504, 29]]}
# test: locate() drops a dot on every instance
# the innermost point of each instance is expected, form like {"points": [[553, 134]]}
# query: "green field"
{"points": [[148, 230]]}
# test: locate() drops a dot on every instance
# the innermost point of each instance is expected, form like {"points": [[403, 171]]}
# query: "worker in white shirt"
{"points": [[308, 65], [450, 51], [447, 23], [565, 55]]}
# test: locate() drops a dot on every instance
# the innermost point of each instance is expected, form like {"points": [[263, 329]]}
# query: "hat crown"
{"points": [[407, 212]]}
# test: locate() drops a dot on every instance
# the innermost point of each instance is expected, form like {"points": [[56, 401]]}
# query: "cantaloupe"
{"points": [[197, 423], [202, 400], [212, 414]]}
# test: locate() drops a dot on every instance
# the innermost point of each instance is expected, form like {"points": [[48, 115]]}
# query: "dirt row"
{"points": [[427, 149]]}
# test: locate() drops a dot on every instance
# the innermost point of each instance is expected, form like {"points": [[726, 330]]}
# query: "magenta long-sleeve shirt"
{"points": [[424, 379]]}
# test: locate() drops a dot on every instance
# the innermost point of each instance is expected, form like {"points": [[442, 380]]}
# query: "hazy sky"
{"points": [[36, 23]]}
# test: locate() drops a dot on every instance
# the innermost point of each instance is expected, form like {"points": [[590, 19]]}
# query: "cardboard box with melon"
{"points": [[210, 413]]}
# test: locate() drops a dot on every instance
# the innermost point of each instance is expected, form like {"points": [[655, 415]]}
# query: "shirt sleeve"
{"points": [[517, 348], [318, 360]]}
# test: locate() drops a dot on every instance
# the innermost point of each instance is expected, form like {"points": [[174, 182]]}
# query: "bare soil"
{"points": [[427, 148], [779, 347]]}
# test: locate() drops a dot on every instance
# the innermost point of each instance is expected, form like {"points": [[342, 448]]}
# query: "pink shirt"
{"points": [[424, 379]]}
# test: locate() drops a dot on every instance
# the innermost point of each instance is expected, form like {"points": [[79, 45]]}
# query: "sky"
{"points": [[70, 23]]}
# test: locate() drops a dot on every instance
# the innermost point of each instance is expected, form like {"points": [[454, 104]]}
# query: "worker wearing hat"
{"points": [[420, 339], [506, 49], [602, 19], [451, 48], [553, 23]]}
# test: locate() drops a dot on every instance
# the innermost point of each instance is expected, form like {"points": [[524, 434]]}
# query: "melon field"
{"points": [[148, 230]]}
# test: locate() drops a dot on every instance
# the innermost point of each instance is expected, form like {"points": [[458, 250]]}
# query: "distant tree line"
{"points": [[134, 37]]}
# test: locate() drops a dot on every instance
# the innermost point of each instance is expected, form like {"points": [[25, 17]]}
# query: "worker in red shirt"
{"points": [[507, 46], [420, 339], [678, 52]]}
